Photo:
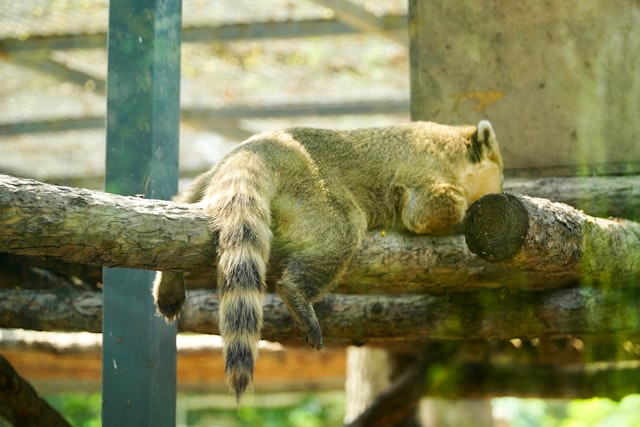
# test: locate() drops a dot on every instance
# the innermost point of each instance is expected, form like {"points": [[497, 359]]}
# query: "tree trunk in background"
{"points": [[368, 374]]}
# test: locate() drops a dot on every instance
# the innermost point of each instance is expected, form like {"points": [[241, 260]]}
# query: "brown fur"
{"points": [[309, 195]]}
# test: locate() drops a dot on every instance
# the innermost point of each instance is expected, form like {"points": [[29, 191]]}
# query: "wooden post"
{"points": [[139, 351]]}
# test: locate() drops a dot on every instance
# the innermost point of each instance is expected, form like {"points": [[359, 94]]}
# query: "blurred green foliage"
{"points": [[83, 410], [80, 409], [576, 413]]}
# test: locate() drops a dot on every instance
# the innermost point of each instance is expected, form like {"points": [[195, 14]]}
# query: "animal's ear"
{"points": [[485, 133], [483, 141]]}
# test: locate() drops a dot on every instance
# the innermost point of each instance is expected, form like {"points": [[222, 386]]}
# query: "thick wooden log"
{"points": [[385, 320], [100, 229], [89, 227], [579, 381], [103, 229], [554, 239], [397, 402]]}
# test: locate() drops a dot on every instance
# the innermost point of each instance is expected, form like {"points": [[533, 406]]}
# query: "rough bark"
{"points": [[384, 320], [21, 405], [115, 231], [101, 229], [554, 240]]}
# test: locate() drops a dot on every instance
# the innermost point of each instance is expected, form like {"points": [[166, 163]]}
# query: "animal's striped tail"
{"points": [[238, 200]]}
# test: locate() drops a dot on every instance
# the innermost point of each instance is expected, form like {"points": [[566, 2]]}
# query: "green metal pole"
{"points": [[139, 349]]}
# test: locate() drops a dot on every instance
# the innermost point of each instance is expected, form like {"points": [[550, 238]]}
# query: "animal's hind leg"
{"points": [[305, 279], [317, 240]]}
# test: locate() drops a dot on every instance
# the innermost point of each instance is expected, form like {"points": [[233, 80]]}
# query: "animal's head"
{"points": [[482, 173]]}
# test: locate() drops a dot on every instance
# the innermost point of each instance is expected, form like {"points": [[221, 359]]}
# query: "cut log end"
{"points": [[496, 226]]}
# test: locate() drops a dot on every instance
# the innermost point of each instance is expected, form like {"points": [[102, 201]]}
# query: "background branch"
{"points": [[386, 320], [20, 404]]}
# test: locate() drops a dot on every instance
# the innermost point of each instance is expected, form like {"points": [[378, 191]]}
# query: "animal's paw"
{"points": [[314, 338], [169, 294], [170, 311]]}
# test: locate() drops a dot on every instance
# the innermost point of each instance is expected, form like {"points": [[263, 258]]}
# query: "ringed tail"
{"points": [[238, 201]]}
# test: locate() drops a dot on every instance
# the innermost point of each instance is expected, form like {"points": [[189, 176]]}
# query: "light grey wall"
{"points": [[559, 80]]}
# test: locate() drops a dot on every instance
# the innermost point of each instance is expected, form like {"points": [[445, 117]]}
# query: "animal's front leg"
{"points": [[438, 208]]}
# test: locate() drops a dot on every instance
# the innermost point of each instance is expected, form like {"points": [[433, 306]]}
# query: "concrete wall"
{"points": [[559, 80]]}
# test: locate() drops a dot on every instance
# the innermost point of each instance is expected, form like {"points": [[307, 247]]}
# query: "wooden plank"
{"points": [[199, 370]]}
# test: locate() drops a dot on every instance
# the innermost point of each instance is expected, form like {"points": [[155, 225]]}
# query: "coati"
{"points": [[308, 195]]}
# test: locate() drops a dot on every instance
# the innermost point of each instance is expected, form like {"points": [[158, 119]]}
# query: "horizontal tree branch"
{"points": [[100, 229], [89, 227], [386, 320], [554, 239]]}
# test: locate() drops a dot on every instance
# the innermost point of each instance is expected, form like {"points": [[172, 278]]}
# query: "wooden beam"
{"points": [[142, 130], [51, 125], [203, 33], [385, 106], [45, 64], [362, 20], [447, 265], [58, 362], [602, 196], [200, 115], [20, 404]]}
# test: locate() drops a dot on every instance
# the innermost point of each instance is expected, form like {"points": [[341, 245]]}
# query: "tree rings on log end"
{"points": [[496, 226]]}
